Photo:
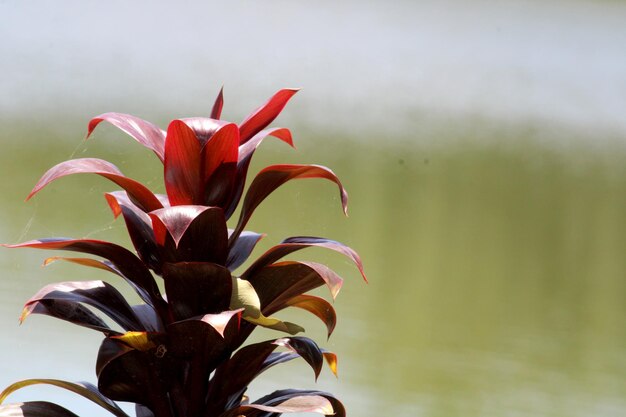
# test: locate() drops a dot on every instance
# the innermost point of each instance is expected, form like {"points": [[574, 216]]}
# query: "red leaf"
{"points": [[146, 133], [140, 195], [272, 177], [182, 165], [293, 244], [264, 115], [245, 156], [216, 112], [219, 165]]}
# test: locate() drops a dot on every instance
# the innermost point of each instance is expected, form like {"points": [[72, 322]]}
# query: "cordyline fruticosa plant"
{"points": [[181, 352]]}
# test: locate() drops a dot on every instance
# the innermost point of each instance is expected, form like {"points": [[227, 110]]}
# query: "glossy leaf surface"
{"points": [[182, 165], [144, 132], [264, 115]]}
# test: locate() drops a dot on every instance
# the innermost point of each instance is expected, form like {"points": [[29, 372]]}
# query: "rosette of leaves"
{"points": [[181, 352]]}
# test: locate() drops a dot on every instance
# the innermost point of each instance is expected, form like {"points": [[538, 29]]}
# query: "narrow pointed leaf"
{"points": [[133, 270], [182, 165], [79, 389], [35, 409], [317, 306], [242, 249], [92, 263], [68, 311], [216, 112], [97, 294], [279, 397], [144, 132], [246, 151], [140, 195], [331, 360], [272, 177], [296, 243], [264, 115]]}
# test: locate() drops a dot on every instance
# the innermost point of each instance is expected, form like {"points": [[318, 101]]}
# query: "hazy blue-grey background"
{"points": [[482, 144]]}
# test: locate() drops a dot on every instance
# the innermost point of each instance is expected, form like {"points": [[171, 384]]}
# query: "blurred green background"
{"points": [[482, 146]]}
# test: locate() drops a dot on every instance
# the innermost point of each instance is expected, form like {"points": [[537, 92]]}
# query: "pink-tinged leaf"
{"points": [[195, 289], [97, 294], [242, 249], [140, 195], [85, 390], [203, 127], [219, 162], [264, 115], [131, 268], [216, 112], [317, 306], [146, 133], [272, 177], [303, 404], [246, 151], [296, 243], [191, 233], [288, 401], [35, 409], [182, 165]]}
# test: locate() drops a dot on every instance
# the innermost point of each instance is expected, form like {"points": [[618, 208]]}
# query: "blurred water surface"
{"points": [[497, 272]]}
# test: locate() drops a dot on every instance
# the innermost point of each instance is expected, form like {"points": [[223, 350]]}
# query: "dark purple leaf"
{"points": [[264, 115], [72, 312], [146, 133], [216, 112], [97, 294], [296, 243], [195, 289], [182, 165], [142, 411], [242, 249], [140, 195], [272, 177]]}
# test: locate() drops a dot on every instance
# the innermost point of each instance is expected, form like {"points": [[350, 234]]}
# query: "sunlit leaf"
{"points": [[35, 409], [296, 243], [264, 115], [216, 112], [272, 177], [80, 389], [244, 296], [182, 165], [144, 132], [139, 194], [315, 305], [219, 165]]}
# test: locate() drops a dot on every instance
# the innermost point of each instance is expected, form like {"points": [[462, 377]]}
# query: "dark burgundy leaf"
{"points": [[272, 177], [72, 312], [264, 115], [128, 264], [182, 165], [142, 411], [149, 319], [242, 249], [296, 243], [139, 194], [246, 151], [146, 133], [195, 289], [216, 112], [278, 283], [204, 127], [199, 345], [191, 233], [97, 294], [233, 377]]}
